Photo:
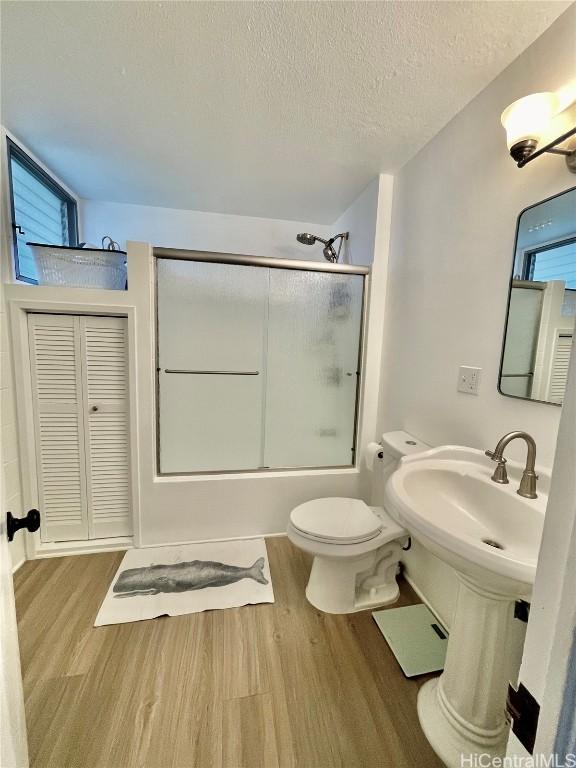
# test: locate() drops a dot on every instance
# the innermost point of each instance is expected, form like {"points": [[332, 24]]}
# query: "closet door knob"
{"points": [[94, 408]]}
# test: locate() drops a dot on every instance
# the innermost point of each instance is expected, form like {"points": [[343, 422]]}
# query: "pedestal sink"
{"points": [[491, 536]]}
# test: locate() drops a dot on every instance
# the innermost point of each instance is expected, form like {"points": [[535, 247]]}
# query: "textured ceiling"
{"points": [[276, 109]]}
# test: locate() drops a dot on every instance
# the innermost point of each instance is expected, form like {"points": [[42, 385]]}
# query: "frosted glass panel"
{"points": [[211, 326], [313, 343], [211, 316], [210, 423]]}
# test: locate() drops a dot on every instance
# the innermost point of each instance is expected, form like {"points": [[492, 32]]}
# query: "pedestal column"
{"points": [[463, 711]]}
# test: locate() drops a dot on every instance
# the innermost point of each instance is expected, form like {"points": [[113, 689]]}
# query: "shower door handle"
{"points": [[212, 373]]}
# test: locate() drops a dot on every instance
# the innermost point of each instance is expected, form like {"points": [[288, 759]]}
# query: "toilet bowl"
{"points": [[356, 548]]}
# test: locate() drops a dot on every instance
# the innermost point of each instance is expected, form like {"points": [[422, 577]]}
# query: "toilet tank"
{"points": [[395, 445]]}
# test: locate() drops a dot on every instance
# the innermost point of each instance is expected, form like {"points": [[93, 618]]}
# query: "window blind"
{"points": [[42, 211]]}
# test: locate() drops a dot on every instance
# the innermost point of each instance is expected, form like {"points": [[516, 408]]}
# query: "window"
{"points": [[42, 212], [555, 261]]}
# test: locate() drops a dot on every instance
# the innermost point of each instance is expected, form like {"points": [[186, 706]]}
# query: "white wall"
{"points": [[454, 218], [360, 219], [195, 230]]}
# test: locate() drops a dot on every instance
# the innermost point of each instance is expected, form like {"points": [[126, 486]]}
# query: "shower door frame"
{"points": [[269, 262]]}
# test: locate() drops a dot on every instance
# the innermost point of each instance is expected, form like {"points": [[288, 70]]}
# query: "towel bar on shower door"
{"points": [[220, 373]]}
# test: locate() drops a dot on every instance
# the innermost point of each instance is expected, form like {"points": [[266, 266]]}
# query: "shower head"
{"points": [[329, 251], [307, 239]]}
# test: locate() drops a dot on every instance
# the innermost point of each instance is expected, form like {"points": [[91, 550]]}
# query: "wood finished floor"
{"points": [[263, 686]]}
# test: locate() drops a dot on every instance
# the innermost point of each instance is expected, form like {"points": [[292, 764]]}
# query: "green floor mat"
{"points": [[416, 638]]}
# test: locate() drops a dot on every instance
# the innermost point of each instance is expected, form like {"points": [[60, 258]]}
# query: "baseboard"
{"points": [[425, 600], [213, 541], [19, 564], [65, 548]]}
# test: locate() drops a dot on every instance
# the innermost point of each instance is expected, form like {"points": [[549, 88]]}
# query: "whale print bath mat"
{"points": [[190, 578]]}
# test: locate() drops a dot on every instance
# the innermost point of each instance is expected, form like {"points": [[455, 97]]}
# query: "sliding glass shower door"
{"points": [[257, 366], [211, 321], [314, 321]]}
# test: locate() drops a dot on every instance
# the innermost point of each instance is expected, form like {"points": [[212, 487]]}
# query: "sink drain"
{"points": [[492, 543]]}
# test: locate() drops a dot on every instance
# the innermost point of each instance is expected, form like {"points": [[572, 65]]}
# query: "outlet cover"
{"points": [[469, 379]]}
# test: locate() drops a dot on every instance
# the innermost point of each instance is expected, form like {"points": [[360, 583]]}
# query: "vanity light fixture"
{"points": [[528, 119]]}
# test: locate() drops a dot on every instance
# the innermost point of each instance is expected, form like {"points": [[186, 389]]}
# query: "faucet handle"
{"points": [[527, 486], [495, 457], [500, 474]]}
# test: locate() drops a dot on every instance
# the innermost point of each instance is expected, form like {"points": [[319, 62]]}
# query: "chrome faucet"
{"points": [[527, 487]]}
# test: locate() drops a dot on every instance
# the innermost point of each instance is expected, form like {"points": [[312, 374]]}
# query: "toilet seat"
{"points": [[336, 521]]}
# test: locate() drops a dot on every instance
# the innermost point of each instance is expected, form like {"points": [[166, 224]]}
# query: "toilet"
{"points": [[356, 547]]}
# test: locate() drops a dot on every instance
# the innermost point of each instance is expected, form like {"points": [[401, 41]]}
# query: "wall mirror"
{"points": [[542, 302]]}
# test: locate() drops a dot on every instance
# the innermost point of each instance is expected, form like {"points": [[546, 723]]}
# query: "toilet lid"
{"points": [[339, 520]]}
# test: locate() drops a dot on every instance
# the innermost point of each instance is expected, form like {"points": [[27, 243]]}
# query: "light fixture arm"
{"points": [[552, 148], [565, 152]]}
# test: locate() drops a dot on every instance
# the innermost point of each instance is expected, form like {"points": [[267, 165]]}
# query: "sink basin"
{"points": [[448, 502], [491, 536]]}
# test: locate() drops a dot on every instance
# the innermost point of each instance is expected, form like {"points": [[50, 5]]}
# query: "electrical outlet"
{"points": [[469, 379]]}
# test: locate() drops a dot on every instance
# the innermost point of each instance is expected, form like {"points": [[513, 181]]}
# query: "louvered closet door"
{"points": [[560, 365], [105, 378], [58, 420]]}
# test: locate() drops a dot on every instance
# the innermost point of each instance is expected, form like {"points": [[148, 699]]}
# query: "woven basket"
{"points": [[79, 267]]}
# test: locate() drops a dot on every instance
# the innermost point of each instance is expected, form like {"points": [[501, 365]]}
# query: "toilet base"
{"points": [[348, 585], [381, 597]]}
